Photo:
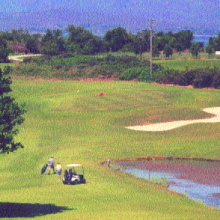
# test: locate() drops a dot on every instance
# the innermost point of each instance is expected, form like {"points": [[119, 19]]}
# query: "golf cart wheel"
{"points": [[74, 182], [84, 181]]}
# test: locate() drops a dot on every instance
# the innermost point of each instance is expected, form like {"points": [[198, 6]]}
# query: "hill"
{"points": [[200, 16]]}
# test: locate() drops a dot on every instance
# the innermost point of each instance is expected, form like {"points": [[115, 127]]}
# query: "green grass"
{"points": [[188, 64], [3, 65], [70, 121], [182, 56]]}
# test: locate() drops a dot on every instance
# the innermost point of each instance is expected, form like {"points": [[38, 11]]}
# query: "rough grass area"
{"points": [[113, 66], [72, 122], [4, 65], [77, 67], [190, 64]]}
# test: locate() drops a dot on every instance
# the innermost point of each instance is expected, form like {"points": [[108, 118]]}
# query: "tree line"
{"points": [[82, 41]]}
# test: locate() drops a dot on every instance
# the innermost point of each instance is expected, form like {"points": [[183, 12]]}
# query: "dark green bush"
{"points": [[142, 74], [216, 81], [189, 77], [131, 73], [145, 75], [203, 78], [168, 76], [199, 78]]}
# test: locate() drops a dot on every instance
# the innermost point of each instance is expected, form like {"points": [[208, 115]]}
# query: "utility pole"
{"points": [[151, 42]]}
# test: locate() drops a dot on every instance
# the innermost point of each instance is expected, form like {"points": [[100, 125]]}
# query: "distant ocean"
{"points": [[202, 38]]}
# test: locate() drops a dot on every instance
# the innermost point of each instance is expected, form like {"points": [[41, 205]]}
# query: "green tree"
{"points": [[161, 43], [52, 43], [48, 36], [32, 45], [168, 51], [81, 41], [155, 51], [50, 48], [179, 41], [10, 115], [137, 45], [183, 40], [20, 36], [6, 35], [214, 43], [164, 39], [115, 39], [217, 43], [4, 51], [194, 49], [141, 42], [209, 49]]}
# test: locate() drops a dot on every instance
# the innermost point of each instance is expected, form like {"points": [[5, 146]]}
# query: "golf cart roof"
{"points": [[74, 165]]}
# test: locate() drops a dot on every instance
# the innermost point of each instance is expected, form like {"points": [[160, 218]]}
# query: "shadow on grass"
{"points": [[13, 210]]}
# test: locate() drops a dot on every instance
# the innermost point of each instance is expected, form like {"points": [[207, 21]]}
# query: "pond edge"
{"points": [[149, 158]]}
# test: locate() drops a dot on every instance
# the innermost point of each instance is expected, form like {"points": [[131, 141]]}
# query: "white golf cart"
{"points": [[74, 174]]}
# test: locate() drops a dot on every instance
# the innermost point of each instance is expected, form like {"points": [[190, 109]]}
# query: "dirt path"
{"points": [[165, 126], [20, 57]]}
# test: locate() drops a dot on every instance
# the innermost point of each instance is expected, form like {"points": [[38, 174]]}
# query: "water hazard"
{"points": [[200, 181]]}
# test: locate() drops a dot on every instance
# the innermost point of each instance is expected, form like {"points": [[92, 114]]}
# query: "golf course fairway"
{"points": [[72, 122]]}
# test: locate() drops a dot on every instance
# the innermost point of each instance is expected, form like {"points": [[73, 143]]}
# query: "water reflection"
{"points": [[200, 181]]}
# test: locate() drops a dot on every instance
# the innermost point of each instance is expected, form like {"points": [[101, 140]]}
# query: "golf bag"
{"points": [[44, 169]]}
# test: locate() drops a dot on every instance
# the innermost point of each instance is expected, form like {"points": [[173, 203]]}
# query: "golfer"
{"points": [[108, 162], [51, 163], [59, 170]]}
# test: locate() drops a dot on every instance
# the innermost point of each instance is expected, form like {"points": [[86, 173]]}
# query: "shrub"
{"points": [[216, 81], [184, 78], [145, 75], [168, 76], [111, 58], [199, 78], [131, 73], [142, 74], [203, 78], [158, 75], [189, 77]]}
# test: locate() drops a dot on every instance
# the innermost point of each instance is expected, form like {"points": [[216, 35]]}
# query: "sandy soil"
{"points": [[165, 126]]}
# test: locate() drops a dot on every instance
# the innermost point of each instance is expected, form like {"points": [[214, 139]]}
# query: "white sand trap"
{"points": [[165, 126]]}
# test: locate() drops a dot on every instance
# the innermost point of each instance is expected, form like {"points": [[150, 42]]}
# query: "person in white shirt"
{"points": [[51, 163]]}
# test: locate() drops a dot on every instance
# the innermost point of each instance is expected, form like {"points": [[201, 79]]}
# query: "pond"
{"points": [[200, 181]]}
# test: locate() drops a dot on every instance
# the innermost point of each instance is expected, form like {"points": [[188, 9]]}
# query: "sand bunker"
{"points": [[165, 126]]}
